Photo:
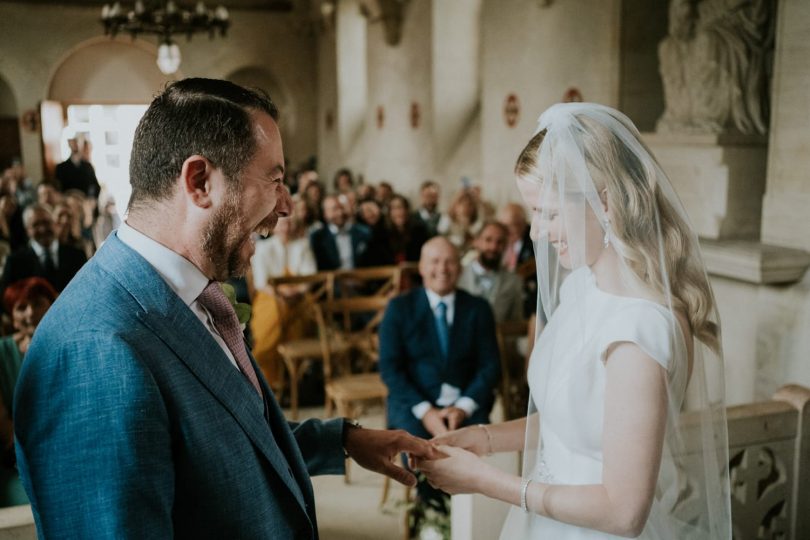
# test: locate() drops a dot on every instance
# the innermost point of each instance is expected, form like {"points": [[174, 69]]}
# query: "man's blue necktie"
{"points": [[442, 328]]}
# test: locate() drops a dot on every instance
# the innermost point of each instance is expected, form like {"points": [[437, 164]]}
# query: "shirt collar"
{"points": [[434, 299], [39, 249], [335, 230], [478, 269], [185, 279]]}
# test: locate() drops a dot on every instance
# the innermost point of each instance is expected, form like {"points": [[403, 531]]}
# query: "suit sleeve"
{"points": [[488, 360], [92, 403], [394, 358], [321, 444]]}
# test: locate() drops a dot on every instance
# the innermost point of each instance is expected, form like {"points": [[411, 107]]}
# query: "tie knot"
{"points": [[217, 304], [441, 309]]}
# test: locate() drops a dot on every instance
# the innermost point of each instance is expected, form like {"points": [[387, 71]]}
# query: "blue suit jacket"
{"points": [[325, 248], [413, 368], [132, 423]]}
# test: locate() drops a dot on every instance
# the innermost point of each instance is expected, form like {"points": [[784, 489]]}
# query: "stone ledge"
{"points": [[17, 522], [754, 262], [704, 139]]}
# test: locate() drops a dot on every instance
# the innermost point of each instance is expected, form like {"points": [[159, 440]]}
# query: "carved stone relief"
{"points": [[716, 65], [390, 12], [760, 493]]}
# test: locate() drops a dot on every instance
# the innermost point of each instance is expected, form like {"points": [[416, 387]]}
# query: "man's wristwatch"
{"points": [[348, 424]]}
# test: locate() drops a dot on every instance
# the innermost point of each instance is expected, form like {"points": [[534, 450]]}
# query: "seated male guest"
{"points": [[428, 212], [339, 245], [438, 351], [43, 256], [485, 277]]}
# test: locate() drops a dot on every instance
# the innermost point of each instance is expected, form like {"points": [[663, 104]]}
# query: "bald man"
{"points": [[438, 351]]}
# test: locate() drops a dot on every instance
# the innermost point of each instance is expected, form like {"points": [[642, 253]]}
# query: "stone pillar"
{"points": [[786, 219], [475, 517], [719, 178]]}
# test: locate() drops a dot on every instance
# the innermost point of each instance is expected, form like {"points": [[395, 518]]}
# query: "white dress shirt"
{"points": [[39, 249], [273, 258], [449, 394], [344, 245], [184, 278]]}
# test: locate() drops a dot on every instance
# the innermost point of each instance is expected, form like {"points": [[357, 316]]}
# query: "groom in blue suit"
{"points": [[139, 413]]}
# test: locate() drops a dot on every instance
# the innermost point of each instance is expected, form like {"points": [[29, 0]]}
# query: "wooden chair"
{"points": [[359, 295], [513, 387], [347, 391], [298, 354], [377, 284]]}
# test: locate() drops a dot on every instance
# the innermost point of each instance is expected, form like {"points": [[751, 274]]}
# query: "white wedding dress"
{"points": [[567, 380]]}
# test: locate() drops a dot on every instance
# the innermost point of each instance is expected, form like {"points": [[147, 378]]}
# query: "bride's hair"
{"points": [[638, 208]]}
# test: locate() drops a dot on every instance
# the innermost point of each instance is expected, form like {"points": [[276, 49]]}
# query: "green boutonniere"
{"points": [[242, 310]]}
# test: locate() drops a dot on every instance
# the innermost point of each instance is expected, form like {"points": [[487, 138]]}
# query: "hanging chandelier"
{"points": [[164, 19]]}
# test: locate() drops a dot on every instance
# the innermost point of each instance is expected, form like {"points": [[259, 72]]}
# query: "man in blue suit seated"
{"points": [[438, 351], [139, 412], [340, 245]]}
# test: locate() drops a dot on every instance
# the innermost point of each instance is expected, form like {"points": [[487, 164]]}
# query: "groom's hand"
{"points": [[376, 450]]}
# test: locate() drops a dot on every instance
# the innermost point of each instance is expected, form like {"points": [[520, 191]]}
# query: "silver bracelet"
{"points": [[489, 438], [524, 487]]}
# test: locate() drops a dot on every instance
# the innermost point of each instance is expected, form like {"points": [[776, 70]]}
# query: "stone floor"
{"points": [[352, 511]]}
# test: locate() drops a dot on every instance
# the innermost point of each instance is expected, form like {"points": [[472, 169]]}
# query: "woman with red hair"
{"points": [[26, 301]]}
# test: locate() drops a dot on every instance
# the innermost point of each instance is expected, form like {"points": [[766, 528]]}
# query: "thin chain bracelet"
{"points": [[489, 438]]}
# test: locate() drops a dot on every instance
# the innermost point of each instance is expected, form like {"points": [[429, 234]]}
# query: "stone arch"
{"points": [[261, 77], [102, 70], [10, 146], [8, 102]]}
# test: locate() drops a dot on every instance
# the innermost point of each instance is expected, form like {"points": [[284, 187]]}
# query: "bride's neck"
{"points": [[606, 272]]}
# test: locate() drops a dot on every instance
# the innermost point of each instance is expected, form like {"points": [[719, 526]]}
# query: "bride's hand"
{"points": [[471, 438], [460, 472]]}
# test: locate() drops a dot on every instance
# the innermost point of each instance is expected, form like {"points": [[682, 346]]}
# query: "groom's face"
{"points": [[253, 205]]}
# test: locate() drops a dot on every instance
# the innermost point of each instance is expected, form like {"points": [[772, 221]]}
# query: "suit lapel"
{"points": [[177, 326], [331, 247]]}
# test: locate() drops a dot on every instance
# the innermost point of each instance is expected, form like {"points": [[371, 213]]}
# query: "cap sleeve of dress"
{"points": [[650, 327]]}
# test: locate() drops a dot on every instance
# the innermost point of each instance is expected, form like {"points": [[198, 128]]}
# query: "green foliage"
{"points": [[242, 310], [426, 519]]}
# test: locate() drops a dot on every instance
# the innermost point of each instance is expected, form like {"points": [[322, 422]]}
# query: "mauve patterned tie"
{"points": [[227, 324]]}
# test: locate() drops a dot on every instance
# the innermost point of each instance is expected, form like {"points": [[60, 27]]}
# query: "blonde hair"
{"points": [[639, 210]]}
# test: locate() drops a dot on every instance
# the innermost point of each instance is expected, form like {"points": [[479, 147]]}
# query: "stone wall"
{"points": [[537, 53], [35, 40]]}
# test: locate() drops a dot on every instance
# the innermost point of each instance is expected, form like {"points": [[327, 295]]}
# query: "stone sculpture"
{"points": [[716, 65]]}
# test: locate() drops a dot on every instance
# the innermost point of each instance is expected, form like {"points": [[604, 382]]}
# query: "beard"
{"points": [[223, 239], [490, 261]]}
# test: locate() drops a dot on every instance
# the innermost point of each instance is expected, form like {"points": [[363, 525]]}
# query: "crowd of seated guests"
{"points": [[353, 224], [348, 223], [26, 301], [47, 232]]}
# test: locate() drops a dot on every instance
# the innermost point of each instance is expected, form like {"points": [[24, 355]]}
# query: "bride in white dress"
{"points": [[625, 433]]}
